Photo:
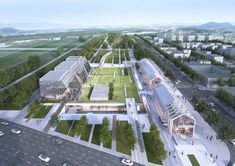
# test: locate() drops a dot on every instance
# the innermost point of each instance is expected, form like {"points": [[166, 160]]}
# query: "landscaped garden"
{"points": [[68, 127], [123, 82], [38, 110], [122, 143], [113, 58]]}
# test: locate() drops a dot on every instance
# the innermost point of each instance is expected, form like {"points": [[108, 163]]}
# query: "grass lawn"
{"points": [[122, 145], [73, 128], [63, 126], [42, 112], [193, 160], [100, 54], [114, 55], [105, 76], [152, 156], [96, 133], [86, 136]]}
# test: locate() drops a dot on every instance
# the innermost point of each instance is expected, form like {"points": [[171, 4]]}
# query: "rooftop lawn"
{"points": [[193, 160], [105, 76], [122, 144]]}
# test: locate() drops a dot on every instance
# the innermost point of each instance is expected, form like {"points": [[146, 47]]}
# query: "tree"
{"points": [[82, 125], [195, 99], [213, 118], [105, 134], [33, 61], [130, 136], [20, 99], [157, 146], [226, 132], [202, 106]]}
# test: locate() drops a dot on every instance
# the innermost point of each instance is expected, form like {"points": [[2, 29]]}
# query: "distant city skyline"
{"points": [[88, 13]]}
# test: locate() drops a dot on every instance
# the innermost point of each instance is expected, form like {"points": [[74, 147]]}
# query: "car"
{"points": [[232, 141], [212, 104], [57, 140], [67, 164], [15, 131], [44, 157], [3, 123], [1, 133], [127, 162], [200, 88]]}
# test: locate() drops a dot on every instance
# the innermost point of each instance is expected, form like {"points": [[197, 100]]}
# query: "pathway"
{"points": [[114, 127]]}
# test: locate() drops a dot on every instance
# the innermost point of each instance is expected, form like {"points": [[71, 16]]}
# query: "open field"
{"points": [[69, 42], [113, 57], [116, 76], [122, 144], [9, 58]]}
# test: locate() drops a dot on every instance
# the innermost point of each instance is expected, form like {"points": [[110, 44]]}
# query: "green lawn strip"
{"points": [[193, 160], [96, 134], [100, 54], [109, 144], [152, 156], [73, 128], [86, 136], [63, 126], [42, 112], [122, 144]]}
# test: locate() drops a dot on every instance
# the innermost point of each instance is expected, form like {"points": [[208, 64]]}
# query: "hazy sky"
{"points": [[75, 13]]}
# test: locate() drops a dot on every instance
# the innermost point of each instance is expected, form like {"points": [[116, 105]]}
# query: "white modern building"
{"points": [[170, 109]]}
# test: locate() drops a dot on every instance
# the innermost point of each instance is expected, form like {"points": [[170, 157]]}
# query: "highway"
{"points": [[188, 88], [24, 149]]}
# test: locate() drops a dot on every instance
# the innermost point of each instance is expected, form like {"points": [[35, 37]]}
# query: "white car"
{"points": [[1, 133], [15, 131], [44, 158], [212, 104], [127, 162], [3, 123], [232, 141]]}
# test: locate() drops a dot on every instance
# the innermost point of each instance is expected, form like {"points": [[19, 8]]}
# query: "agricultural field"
{"points": [[10, 58], [113, 58], [116, 76], [69, 42]]}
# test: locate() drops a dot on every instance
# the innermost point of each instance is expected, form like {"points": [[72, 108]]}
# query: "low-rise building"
{"points": [[215, 57], [209, 73], [100, 93], [169, 108]]}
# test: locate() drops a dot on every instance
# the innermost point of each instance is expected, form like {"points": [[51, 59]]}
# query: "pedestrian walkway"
{"points": [[91, 134], [114, 127]]}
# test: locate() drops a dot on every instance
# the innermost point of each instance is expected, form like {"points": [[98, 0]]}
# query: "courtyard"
{"points": [[123, 84]]}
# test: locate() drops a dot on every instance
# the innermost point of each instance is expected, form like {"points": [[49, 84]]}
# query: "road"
{"points": [[24, 149], [188, 87], [41, 67]]}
